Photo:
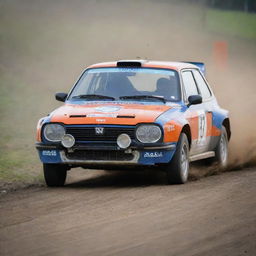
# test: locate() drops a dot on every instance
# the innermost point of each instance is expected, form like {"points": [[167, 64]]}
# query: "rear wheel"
{"points": [[55, 175], [221, 151], [178, 168]]}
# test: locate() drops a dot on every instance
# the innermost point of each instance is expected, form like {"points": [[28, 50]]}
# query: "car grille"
{"points": [[88, 133], [100, 155]]}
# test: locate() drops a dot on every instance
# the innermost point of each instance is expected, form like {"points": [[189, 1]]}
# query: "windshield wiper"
{"points": [[142, 97], [93, 96]]}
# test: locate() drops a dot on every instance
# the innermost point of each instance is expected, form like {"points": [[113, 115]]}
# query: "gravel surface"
{"points": [[132, 213]]}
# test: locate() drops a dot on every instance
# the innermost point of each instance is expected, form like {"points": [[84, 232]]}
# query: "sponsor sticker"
{"points": [[170, 127], [49, 153], [102, 115], [153, 154], [107, 109], [202, 127], [101, 120]]}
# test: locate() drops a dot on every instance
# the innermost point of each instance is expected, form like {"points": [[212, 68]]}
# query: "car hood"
{"points": [[107, 113]]}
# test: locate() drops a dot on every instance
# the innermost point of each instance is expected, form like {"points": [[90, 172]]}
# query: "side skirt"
{"points": [[202, 156]]}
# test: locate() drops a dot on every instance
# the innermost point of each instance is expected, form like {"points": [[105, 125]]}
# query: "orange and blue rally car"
{"points": [[135, 113]]}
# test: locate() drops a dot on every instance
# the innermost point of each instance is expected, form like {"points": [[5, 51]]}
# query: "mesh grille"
{"points": [[109, 133]]}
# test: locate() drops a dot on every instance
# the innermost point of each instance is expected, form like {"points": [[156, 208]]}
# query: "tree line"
{"points": [[243, 5]]}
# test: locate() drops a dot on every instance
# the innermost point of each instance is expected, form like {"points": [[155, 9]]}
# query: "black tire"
{"points": [[221, 151], [55, 175], [178, 168]]}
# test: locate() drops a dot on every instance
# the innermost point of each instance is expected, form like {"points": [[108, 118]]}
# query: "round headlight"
{"points": [[148, 133], [123, 140], [68, 141], [54, 132]]}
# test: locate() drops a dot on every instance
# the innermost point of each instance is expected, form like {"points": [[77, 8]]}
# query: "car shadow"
{"points": [[139, 177], [121, 179]]}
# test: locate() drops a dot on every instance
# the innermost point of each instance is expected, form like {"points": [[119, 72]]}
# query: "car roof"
{"points": [[147, 64]]}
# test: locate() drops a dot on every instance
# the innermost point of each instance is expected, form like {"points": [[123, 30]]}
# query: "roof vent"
{"points": [[129, 63]]}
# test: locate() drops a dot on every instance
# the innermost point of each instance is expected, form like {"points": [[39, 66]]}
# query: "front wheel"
{"points": [[55, 175], [178, 168]]}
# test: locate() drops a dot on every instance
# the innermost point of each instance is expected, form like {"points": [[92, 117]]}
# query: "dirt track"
{"points": [[101, 213]]}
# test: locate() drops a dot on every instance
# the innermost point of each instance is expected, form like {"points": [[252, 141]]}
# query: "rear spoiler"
{"points": [[200, 65]]}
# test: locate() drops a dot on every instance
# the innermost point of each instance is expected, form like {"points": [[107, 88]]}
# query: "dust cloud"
{"points": [[46, 44]]}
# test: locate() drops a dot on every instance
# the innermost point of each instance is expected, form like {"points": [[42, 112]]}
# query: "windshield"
{"points": [[123, 83]]}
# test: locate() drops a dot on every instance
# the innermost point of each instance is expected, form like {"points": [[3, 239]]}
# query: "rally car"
{"points": [[135, 113]]}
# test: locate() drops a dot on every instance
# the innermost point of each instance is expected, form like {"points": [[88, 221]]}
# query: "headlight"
{"points": [[54, 132], [148, 133]]}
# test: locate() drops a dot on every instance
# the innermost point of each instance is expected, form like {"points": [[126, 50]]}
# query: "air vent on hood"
{"points": [[125, 116], [74, 116]]}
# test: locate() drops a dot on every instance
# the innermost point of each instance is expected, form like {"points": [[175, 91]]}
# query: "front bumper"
{"points": [[106, 155]]}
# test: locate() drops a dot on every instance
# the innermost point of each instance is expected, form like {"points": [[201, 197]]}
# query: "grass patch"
{"points": [[232, 23], [15, 166], [18, 159]]}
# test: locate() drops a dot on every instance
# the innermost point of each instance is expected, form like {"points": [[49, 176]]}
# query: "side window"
{"points": [[189, 83], [202, 85]]}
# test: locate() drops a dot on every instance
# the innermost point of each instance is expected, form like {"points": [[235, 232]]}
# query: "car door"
{"points": [[195, 114], [208, 105]]}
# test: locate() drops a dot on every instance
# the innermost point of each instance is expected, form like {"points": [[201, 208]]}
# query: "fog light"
{"points": [[68, 141], [124, 140]]}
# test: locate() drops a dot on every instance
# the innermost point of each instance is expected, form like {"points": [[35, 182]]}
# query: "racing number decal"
{"points": [[202, 127]]}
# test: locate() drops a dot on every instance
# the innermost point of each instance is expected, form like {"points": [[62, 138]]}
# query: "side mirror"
{"points": [[194, 99], [60, 96]]}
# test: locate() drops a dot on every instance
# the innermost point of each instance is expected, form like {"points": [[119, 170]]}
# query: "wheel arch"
{"points": [[226, 124], [186, 129]]}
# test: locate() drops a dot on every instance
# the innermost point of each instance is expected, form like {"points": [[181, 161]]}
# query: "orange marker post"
{"points": [[220, 55]]}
